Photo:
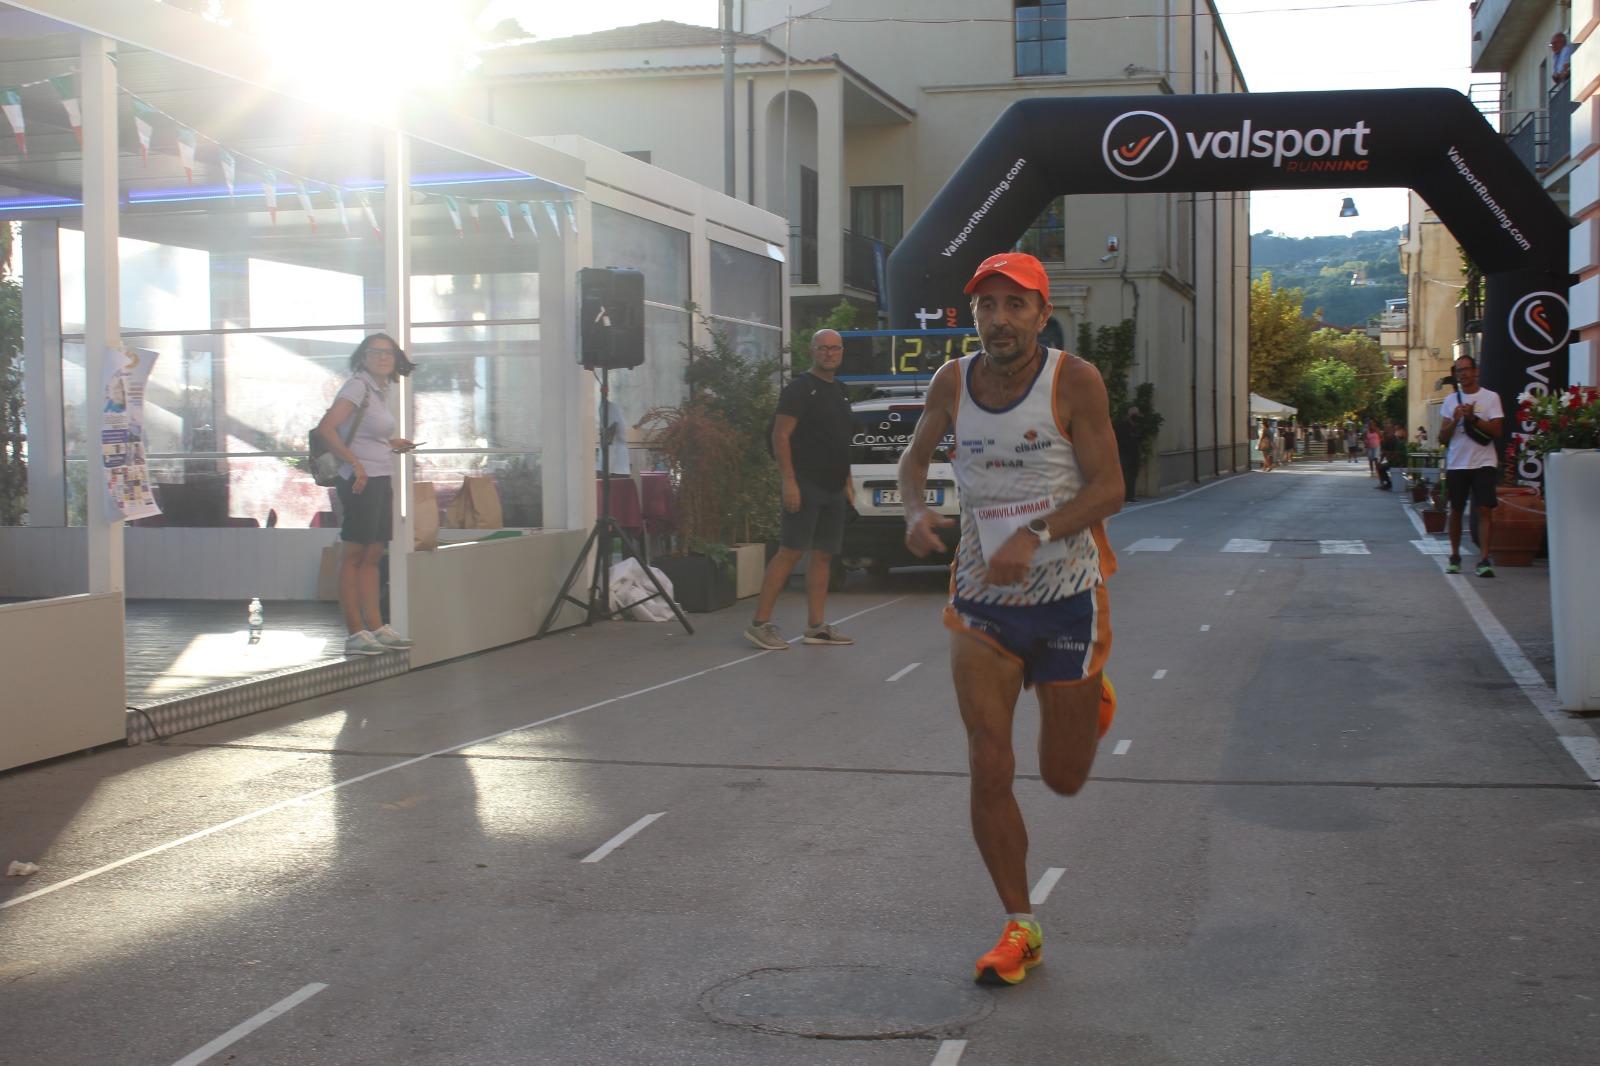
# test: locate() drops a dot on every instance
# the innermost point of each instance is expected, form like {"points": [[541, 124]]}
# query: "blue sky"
{"points": [[1282, 45]]}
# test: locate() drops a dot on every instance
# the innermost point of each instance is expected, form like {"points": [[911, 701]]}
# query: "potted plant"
{"points": [[700, 448], [1434, 514]]}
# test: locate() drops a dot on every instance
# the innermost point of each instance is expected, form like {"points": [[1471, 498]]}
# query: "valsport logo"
{"points": [[1538, 323], [1140, 145]]}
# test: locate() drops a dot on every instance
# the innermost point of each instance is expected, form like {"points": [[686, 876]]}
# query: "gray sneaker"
{"points": [[765, 636], [363, 643], [386, 636], [825, 634]]}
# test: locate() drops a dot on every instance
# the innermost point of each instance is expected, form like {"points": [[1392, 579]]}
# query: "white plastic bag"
{"points": [[630, 591]]}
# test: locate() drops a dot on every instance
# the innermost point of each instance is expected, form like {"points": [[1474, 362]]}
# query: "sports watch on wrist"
{"points": [[1041, 529]]}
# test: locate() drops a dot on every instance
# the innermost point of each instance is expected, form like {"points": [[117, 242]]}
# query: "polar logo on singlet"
{"points": [[1538, 323], [1140, 145]]}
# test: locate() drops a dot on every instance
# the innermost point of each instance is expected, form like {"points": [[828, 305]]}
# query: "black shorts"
{"points": [[1478, 483], [369, 514], [819, 523]]}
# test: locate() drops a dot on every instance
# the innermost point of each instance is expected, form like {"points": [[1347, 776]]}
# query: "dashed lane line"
{"points": [[1041, 891], [621, 838], [1122, 747], [949, 1053], [294, 801], [1158, 675], [244, 1029], [898, 674]]}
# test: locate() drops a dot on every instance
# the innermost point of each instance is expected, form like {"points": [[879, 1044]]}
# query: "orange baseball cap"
{"points": [[1020, 267]]}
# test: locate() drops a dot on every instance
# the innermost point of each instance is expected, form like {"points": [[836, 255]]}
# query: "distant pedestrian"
{"points": [[1374, 446], [1469, 428], [1352, 444], [1422, 436], [1289, 441], [1277, 447], [1264, 444]]}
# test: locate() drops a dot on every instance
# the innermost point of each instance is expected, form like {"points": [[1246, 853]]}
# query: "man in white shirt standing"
{"points": [[1470, 421]]}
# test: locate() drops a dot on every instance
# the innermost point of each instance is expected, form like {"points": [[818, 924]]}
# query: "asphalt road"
{"points": [[1326, 827]]}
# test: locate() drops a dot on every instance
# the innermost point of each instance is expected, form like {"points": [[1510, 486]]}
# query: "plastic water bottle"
{"points": [[257, 618]]}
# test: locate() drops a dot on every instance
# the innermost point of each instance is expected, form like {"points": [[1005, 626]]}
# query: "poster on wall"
{"points": [[122, 451]]}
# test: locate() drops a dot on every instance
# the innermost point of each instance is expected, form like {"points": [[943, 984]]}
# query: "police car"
{"points": [[874, 538]]}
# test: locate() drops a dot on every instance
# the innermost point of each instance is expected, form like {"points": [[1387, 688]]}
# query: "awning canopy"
{"points": [[1262, 407]]}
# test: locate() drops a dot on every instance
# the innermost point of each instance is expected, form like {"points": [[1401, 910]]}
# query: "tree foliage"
{"points": [[1280, 351], [1327, 393], [1111, 350], [13, 468], [1362, 354]]}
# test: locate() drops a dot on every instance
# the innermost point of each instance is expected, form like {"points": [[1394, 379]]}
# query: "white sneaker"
{"points": [[363, 643], [386, 636]]}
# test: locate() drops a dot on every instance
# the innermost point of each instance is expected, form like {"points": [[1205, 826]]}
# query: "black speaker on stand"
{"points": [[611, 334]]}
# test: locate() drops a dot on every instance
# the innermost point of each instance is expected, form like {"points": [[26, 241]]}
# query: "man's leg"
{"points": [[1069, 733], [772, 582], [987, 684], [817, 588]]}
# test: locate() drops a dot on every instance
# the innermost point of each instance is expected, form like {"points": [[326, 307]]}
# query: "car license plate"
{"points": [[881, 497]]}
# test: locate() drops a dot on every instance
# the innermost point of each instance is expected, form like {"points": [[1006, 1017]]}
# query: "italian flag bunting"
{"points": [[505, 217], [304, 194], [455, 214], [66, 86], [572, 216], [555, 219], [366, 209], [229, 167], [143, 121], [527, 216], [474, 207], [269, 192], [344, 215], [187, 139], [11, 101]]}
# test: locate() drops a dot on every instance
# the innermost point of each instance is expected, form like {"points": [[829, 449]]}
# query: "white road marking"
{"points": [[1041, 891], [244, 1029], [621, 838], [1122, 747], [1175, 499], [1158, 675], [1432, 547], [402, 764], [1153, 544], [1244, 544], [1576, 737], [898, 674], [1205, 629], [1228, 593], [1344, 547], [949, 1053]]}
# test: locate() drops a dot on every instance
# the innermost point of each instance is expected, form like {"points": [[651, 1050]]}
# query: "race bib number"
{"points": [[997, 522]]}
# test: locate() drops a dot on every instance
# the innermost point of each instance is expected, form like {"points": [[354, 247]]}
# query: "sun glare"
{"points": [[363, 56]]}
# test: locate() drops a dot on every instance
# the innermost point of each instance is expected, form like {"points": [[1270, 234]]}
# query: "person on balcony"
{"points": [[1561, 50]]}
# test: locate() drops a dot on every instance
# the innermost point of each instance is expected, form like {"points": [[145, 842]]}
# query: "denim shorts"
{"points": [[818, 526]]}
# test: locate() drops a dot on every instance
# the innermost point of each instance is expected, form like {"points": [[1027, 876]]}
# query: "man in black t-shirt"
{"points": [[811, 441]]}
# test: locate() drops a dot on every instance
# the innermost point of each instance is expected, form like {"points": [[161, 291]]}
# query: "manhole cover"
{"points": [[847, 1002]]}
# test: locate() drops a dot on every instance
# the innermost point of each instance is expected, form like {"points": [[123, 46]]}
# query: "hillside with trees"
{"points": [[1344, 280]]}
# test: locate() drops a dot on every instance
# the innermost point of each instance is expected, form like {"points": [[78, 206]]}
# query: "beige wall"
{"points": [[1431, 259]]}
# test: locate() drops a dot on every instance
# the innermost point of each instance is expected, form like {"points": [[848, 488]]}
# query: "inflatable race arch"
{"points": [[1431, 140]]}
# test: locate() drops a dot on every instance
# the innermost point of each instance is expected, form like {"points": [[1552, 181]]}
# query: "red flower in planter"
{"points": [[1544, 425]]}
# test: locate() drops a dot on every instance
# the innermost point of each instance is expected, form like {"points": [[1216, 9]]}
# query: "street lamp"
{"points": [[1349, 208]]}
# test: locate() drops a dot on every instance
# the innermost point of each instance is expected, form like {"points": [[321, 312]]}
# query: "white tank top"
{"points": [[1014, 465]]}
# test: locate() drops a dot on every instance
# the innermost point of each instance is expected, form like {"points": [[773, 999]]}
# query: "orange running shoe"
{"points": [[1020, 949]]}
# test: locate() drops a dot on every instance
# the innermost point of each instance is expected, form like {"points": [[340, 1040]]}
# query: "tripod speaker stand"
{"points": [[598, 606]]}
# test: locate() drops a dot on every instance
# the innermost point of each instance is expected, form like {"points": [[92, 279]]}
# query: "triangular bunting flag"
{"points": [[555, 219], [304, 194], [11, 103], [187, 139], [473, 206], [229, 167], [344, 215], [67, 88], [455, 214], [366, 209], [144, 121], [269, 190], [527, 216], [572, 216], [505, 217]]}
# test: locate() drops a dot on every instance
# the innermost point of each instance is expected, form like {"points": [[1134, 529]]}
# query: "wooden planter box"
{"points": [[1518, 527], [699, 583]]}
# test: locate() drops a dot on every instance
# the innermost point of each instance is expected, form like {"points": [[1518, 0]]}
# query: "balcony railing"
{"points": [[1560, 108], [1390, 321], [1543, 138], [865, 261]]}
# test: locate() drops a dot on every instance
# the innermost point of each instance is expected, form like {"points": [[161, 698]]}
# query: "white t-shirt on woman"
{"points": [[371, 442]]}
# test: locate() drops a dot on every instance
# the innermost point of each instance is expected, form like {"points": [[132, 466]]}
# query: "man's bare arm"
{"points": [[1095, 444], [938, 414]]}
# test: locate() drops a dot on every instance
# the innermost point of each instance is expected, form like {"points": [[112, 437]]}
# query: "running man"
{"points": [[1036, 461]]}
